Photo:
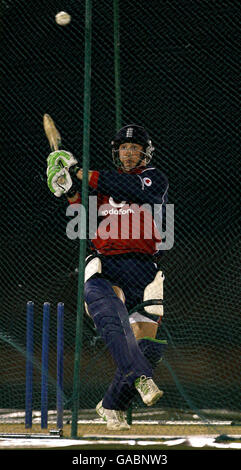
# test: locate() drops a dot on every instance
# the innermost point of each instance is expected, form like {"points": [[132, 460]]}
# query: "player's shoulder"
{"points": [[153, 172]]}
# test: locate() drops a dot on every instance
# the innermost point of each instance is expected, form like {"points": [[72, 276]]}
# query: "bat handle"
{"points": [[61, 180]]}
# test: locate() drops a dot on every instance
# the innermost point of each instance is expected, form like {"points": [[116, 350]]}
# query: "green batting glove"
{"points": [[60, 159], [59, 180]]}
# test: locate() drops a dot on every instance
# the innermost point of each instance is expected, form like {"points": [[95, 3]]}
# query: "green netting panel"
{"points": [[179, 77]]}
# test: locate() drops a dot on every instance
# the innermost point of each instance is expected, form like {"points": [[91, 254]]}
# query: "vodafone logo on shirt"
{"points": [[147, 181]]}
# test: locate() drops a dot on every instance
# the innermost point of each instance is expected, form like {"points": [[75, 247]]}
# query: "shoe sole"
{"points": [[109, 426], [116, 427]]}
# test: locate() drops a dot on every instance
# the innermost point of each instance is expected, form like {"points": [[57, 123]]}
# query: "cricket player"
{"points": [[122, 271]]}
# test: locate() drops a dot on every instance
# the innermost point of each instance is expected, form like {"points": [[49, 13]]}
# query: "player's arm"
{"points": [[73, 195], [146, 187], [63, 174], [75, 199]]}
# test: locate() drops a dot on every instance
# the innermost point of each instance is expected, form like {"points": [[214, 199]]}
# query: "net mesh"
{"points": [[179, 70]]}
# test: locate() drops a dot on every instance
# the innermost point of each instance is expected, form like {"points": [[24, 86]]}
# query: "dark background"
{"points": [[180, 78]]}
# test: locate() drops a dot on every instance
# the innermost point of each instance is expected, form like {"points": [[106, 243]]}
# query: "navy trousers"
{"points": [[111, 318], [132, 274]]}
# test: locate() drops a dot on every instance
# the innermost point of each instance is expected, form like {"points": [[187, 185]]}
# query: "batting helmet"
{"points": [[135, 134]]}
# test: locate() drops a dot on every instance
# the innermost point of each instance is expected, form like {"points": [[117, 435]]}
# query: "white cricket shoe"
{"points": [[115, 419], [148, 390]]}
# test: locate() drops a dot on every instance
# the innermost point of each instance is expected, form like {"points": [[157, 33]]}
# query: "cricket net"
{"points": [[179, 64]]}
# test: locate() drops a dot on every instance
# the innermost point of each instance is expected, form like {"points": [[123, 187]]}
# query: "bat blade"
{"points": [[51, 132], [53, 137]]}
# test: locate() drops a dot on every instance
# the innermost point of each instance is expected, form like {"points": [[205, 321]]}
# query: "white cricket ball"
{"points": [[62, 18]]}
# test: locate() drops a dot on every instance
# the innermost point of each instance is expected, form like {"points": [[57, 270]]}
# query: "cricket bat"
{"points": [[52, 135], [51, 132]]}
